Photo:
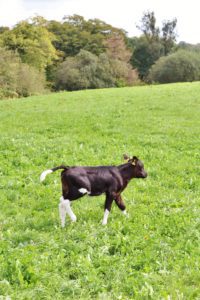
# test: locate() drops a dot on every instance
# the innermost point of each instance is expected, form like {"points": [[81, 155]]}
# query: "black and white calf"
{"points": [[94, 181]]}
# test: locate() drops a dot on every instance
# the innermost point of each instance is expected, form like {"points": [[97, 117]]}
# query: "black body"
{"points": [[94, 181]]}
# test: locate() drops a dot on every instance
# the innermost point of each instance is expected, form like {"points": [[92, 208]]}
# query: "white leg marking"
{"points": [[105, 217], [84, 191], [44, 174], [64, 208], [69, 210], [125, 213], [62, 212]]}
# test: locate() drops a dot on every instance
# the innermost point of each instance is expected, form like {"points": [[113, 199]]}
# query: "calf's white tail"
{"points": [[44, 174]]}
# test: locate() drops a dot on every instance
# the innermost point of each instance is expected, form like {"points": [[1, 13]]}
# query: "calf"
{"points": [[94, 181]]}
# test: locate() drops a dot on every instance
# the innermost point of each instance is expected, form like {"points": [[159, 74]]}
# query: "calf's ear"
{"points": [[126, 157], [134, 160]]}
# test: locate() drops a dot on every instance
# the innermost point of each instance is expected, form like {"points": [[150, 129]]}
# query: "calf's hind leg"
{"points": [[62, 211], [64, 205], [64, 208]]}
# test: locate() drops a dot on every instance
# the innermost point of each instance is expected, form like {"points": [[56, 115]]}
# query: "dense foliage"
{"points": [[86, 70], [56, 52], [33, 42], [153, 43], [17, 78], [181, 66], [75, 34], [145, 55], [83, 71]]}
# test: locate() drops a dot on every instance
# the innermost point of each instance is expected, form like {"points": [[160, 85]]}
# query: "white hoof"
{"points": [[73, 218], [125, 213], [104, 223], [62, 225]]}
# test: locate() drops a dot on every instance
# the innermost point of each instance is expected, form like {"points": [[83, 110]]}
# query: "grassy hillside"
{"points": [[154, 254]]}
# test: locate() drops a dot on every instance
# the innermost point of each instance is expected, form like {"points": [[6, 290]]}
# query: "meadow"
{"points": [[152, 254]]}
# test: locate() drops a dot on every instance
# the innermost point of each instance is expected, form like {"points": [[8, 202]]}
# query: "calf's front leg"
{"points": [[120, 203], [107, 207]]}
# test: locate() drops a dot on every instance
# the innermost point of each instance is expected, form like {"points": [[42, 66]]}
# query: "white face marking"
{"points": [[84, 191], [105, 217], [44, 174]]}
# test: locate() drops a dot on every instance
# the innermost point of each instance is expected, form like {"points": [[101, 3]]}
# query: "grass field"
{"points": [[153, 254]]}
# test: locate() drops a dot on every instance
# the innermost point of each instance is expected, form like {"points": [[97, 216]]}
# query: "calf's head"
{"points": [[137, 165]]}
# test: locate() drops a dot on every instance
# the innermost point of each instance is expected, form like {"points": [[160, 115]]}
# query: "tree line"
{"points": [[37, 55]]}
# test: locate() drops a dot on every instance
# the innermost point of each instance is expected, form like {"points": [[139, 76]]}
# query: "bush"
{"points": [[87, 70], [30, 81], [6, 93], [18, 79], [181, 66]]}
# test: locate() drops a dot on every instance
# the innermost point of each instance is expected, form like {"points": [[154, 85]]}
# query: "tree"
{"points": [[168, 35], [119, 54], [153, 44], [116, 48], [3, 29], [70, 39], [145, 55], [75, 33], [32, 42], [148, 26]]}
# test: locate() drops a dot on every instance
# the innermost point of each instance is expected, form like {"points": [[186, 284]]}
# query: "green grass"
{"points": [[154, 254]]}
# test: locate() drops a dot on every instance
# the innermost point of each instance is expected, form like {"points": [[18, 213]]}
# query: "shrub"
{"points": [[68, 76], [18, 79], [87, 70], [30, 81], [181, 66]]}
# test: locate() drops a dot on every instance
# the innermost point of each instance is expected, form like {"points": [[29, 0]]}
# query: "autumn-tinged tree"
{"points": [[116, 48], [119, 53]]}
